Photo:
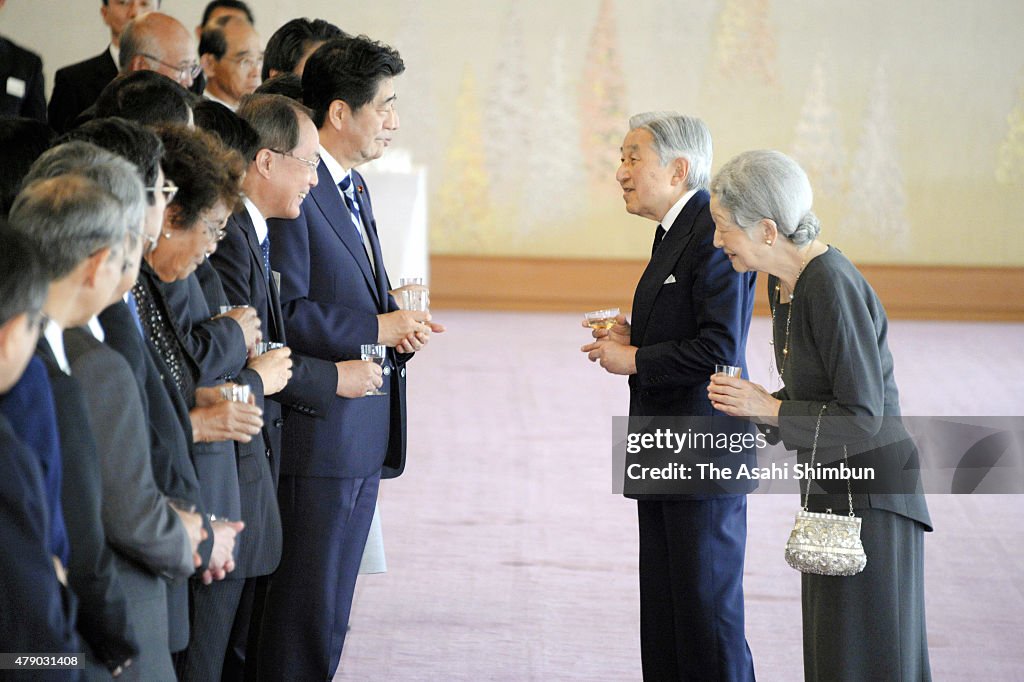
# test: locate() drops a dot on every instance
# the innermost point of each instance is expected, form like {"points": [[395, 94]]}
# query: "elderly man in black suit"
{"points": [[76, 87], [691, 311]]}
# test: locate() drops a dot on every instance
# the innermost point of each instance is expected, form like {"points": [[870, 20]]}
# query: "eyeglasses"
{"points": [[184, 72], [311, 164], [247, 62], [168, 190], [216, 230]]}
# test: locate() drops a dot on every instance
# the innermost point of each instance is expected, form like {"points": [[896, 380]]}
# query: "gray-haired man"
{"points": [[79, 229], [691, 311]]}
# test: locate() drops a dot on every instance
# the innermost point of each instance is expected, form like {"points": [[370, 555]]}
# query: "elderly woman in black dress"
{"points": [[829, 340]]}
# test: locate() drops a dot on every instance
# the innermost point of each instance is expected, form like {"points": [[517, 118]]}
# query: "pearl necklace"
{"points": [[789, 318]]}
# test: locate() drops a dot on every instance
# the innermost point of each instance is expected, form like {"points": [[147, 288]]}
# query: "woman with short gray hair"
{"points": [[829, 340]]}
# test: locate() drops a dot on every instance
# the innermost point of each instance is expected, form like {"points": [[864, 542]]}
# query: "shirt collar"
{"points": [[96, 329], [115, 53], [333, 167], [676, 209], [218, 100], [258, 221], [55, 337]]}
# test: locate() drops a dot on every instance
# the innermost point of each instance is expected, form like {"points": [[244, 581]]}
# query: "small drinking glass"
{"points": [[374, 352], [601, 319], [415, 299], [729, 370], [224, 309], [264, 346], [238, 393], [406, 281]]}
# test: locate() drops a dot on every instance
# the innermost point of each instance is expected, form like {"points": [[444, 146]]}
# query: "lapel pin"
{"points": [[359, 188]]}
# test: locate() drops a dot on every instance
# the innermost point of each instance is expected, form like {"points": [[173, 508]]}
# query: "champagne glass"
{"points": [[374, 352], [601, 319]]}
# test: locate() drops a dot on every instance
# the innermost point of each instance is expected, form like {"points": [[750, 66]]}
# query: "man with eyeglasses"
{"points": [[76, 87], [161, 43], [232, 59], [277, 181]]}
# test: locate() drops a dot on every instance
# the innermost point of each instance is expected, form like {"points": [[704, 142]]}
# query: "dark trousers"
{"points": [[245, 633], [325, 523], [691, 590], [213, 610]]}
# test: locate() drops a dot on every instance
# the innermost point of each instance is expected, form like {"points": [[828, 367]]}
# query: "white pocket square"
{"points": [[671, 279]]}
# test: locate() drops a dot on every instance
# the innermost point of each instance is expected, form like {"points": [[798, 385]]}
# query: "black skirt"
{"points": [[870, 626]]}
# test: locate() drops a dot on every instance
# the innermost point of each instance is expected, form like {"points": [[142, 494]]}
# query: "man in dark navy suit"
{"points": [[76, 87], [334, 297], [280, 176], [33, 614], [691, 311]]}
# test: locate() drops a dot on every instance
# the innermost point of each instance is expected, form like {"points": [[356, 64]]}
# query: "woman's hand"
{"points": [[741, 398]]}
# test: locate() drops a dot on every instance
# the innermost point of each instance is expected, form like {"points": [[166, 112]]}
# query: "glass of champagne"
{"points": [[374, 352], [601, 319]]}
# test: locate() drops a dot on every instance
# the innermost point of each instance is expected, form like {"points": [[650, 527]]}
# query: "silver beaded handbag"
{"points": [[826, 544]]}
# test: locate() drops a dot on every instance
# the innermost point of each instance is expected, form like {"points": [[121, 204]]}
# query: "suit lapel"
{"points": [[662, 263], [328, 199], [370, 229], [245, 222]]}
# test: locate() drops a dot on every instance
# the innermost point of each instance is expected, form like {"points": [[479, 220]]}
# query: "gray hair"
{"points": [[67, 219], [275, 118], [113, 173], [768, 184], [677, 136]]}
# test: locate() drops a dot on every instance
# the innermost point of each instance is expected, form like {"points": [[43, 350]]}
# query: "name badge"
{"points": [[15, 87]]}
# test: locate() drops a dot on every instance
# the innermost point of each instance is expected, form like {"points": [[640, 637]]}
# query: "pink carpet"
{"points": [[510, 559]]}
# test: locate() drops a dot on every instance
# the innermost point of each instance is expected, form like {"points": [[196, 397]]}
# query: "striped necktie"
{"points": [[348, 191]]}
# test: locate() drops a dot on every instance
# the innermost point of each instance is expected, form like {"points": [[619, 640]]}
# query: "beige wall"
{"points": [[899, 110]]}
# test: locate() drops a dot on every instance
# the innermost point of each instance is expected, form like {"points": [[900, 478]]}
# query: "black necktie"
{"points": [[658, 236]]}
